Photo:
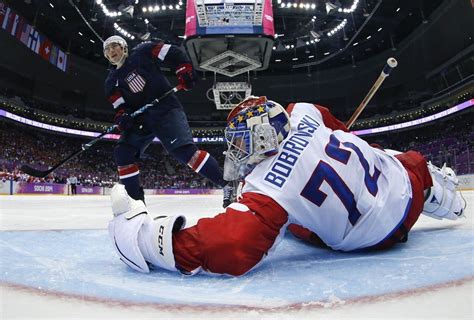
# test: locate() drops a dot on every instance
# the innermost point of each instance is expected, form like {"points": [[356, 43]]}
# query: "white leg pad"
{"points": [[155, 240], [444, 201]]}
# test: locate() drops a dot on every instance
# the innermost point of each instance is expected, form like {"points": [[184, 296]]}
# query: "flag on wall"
{"points": [[62, 60], [7, 21], [45, 47], [25, 33], [54, 55], [3, 10], [15, 21], [6, 18], [33, 40], [18, 27]]}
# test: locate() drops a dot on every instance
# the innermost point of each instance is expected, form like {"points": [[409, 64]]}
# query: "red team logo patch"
{"points": [[135, 82]]}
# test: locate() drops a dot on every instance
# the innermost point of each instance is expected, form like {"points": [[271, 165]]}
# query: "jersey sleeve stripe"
{"points": [[128, 171], [330, 121], [198, 160], [116, 99], [161, 50], [118, 102]]}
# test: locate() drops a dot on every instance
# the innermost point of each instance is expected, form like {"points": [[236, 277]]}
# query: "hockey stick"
{"points": [[391, 64], [43, 173]]}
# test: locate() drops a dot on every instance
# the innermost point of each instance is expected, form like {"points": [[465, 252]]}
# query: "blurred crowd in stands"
{"points": [[373, 116], [418, 110], [40, 149], [449, 141]]}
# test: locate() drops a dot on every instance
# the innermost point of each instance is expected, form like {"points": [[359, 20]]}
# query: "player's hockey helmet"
{"points": [[255, 128], [116, 40]]}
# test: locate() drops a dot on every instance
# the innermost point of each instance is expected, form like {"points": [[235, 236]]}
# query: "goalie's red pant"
{"points": [[235, 241], [232, 242]]}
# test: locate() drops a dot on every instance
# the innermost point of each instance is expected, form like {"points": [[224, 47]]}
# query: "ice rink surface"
{"points": [[56, 261]]}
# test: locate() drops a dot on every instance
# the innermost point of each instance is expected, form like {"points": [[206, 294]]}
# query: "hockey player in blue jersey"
{"points": [[136, 80]]}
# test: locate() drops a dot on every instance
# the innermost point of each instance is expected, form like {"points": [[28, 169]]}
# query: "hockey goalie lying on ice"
{"points": [[302, 170]]}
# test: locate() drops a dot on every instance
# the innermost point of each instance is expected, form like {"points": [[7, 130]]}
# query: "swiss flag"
{"points": [[45, 48]]}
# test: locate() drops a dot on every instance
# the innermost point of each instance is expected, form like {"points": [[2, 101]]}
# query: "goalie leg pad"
{"points": [[129, 216], [137, 238], [444, 201], [155, 240]]}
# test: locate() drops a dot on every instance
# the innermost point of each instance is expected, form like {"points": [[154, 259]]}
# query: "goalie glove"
{"points": [[139, 240]]}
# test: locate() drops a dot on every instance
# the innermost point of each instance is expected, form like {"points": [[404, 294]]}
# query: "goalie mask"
{"points": [[109, 43], [255, 128]]}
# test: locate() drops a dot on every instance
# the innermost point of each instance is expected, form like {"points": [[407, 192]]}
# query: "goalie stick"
{"points": [[43, 173], [389, 66]]}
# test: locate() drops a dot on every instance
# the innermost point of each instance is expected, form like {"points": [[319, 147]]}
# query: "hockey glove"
{"points": [[186, 76], [123, 120]]}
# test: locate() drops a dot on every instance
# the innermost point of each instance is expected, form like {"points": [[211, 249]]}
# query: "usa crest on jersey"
{"points": [[135, 82]]}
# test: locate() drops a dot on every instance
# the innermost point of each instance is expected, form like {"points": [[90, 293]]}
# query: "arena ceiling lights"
{"points": [[295, 5], [162, 8], [106, 11], [124, 32], [310, 30], [330, 7]]}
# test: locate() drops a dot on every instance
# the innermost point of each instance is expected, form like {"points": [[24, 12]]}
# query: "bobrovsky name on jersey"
{"points": [[292, 148]]}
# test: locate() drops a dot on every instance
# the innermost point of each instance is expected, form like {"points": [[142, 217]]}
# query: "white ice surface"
{"points": [[87, 216]]}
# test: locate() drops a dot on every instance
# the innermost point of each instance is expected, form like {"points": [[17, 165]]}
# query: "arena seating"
{"points": [[448, 141]]}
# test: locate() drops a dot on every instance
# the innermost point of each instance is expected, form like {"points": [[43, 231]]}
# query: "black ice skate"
{"points": [[230, 193]]}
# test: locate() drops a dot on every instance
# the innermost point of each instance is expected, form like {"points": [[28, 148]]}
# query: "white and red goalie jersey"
{"points": [[348, 193], [333, 183]]}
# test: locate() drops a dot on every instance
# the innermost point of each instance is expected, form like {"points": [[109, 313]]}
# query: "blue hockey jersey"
{"points": [[139, 80]]}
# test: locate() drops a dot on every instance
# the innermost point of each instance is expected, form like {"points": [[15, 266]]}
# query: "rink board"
{"points": [[83, 263]]}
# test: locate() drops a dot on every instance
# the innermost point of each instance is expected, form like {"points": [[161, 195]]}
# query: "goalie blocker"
{"points": [[138, 239]]}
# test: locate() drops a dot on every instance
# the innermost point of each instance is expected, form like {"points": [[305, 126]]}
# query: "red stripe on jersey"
{"points": [[156, 50], [290, 107], [115, 96], [329, 120], [127, 170], [197, 159]]}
